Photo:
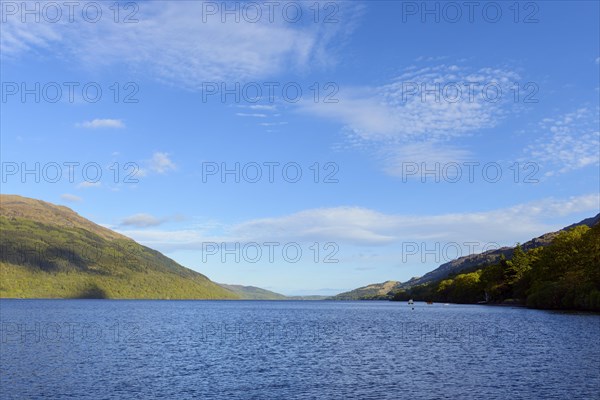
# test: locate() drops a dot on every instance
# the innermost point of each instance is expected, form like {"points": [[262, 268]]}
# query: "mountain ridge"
{"points": [[375, 290], [50, 251], [253, 292]]}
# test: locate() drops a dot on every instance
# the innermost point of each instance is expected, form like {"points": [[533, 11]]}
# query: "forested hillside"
{"points": [[562, 275]]}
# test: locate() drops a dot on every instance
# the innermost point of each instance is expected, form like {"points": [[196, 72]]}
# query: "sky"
{"points": [[306, 147]]}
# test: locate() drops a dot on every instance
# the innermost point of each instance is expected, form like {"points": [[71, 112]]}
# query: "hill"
{"points": [[253, 292], [385, 290], [311, 297], [256, 293], [563, 275], [374, 291], [49, 251]]}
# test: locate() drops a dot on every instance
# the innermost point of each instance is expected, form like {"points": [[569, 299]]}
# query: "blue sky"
{"points": [[506, 94]]}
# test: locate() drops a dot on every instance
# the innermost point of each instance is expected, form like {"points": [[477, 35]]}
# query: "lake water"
{"points": [[104, 349]]}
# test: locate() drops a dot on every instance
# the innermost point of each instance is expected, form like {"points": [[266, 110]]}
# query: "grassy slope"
{"points": [[253, 293], [49, 251], [373, 291]]}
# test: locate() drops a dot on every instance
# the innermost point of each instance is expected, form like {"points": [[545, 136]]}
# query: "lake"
{"points": [[111, 349]]}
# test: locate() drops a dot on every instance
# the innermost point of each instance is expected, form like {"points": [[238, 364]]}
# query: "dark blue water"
{"points": [[101, 349]]}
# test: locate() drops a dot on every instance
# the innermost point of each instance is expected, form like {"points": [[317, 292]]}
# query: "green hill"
{"points": [[375, 291], [310, 297], [490, 257], [563, 275], [253, 292], [469, 263], [256, 293], [49, 251]]}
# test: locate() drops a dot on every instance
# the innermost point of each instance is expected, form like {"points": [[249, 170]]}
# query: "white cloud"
{"points": [[160, 163], [173, 43], [141, 221], [17, 37], [430, 153], [102, 123], [569, 142], [264, 107], [363, 226], [71, 198], [262, 111], [357, 226], [403, 121], [396, 112], [431, 58], [255, 115], [273, 123]]}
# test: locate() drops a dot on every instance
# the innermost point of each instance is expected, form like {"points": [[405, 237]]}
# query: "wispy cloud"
{"points": [[273, 123], [18, 38], [264, 107], [175, 44], [161, 163], [421, 113], [368, 227], [395, 155], [264, 111], [255, 115], [71, 198], [143, 220], [568, 142], [102, 123], [359, 226]]}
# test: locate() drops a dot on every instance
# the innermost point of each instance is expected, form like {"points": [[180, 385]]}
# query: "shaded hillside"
{"points": [[49, 251]]}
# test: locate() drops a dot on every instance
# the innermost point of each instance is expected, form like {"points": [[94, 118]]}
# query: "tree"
{"points": [[566, 274]]}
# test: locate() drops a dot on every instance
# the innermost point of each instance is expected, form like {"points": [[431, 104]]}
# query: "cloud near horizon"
{"points": [[357, 226], [143, 220], [71, 198]]}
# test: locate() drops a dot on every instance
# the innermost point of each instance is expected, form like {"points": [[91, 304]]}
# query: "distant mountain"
{"points": [[383, 290], [256, 293], [253, 293], [489, 257], [308, 298], [49, 251], [373, 291]]}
